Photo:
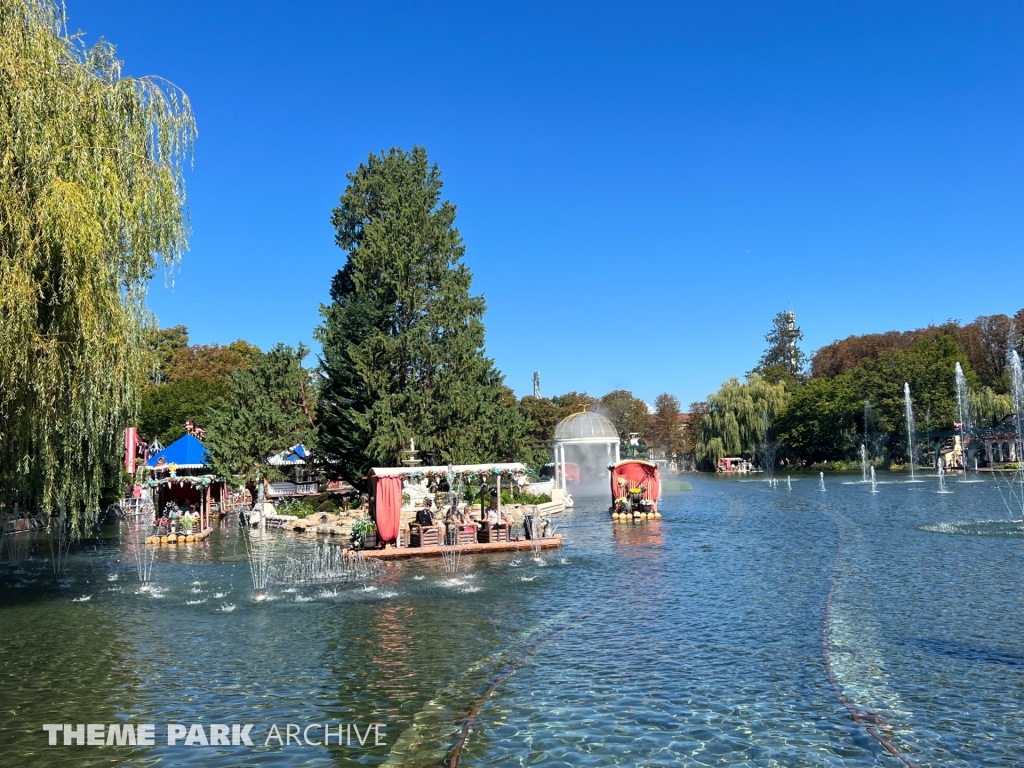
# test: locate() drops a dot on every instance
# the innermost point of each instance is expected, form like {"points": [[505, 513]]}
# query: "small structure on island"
{"points": [[587, 440], [302, 476], [179, 475]]}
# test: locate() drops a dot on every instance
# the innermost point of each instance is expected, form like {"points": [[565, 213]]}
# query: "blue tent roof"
{"points": [[186, 452]]}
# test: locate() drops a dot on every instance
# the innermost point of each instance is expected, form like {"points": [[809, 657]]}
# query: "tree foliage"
{"points": [[819, 419], [91, 198], [628, 413], [165, 409], [269, 408], [665, 426], [734, 424], [206, 362], [783, 360], [403, 336]]}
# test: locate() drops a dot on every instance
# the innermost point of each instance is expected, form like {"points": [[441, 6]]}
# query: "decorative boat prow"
{"points": [[636, 486]]}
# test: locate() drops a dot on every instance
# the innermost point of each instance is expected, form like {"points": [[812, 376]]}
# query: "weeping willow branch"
{"points": [[92, 202]]}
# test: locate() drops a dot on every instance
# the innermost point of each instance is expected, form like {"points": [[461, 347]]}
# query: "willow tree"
{"points": [[92, 201], [738, 417]]}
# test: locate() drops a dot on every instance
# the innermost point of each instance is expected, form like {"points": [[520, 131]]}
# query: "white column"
{"points": [[617, 459], [565, 480]]}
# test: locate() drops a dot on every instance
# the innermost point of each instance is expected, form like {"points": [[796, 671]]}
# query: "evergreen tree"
{"points": [[403, 336], [783, 360], [268, 409]]}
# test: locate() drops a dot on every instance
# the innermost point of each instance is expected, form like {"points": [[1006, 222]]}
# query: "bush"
{"points": [[524, 498]]}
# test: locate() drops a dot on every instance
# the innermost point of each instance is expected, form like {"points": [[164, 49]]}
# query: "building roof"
{"points": [[513, 468], [296, 455], [186, 453], [586, 427]]}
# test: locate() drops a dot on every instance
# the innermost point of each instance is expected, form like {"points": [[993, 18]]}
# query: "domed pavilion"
{"points": [[587, 438]]}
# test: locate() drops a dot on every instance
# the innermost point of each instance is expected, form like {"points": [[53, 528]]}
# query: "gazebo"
{"points": [[592, 441], [180, 476]]}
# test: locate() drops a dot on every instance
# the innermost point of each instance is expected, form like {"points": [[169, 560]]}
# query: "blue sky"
{"points": [[640, 186]]}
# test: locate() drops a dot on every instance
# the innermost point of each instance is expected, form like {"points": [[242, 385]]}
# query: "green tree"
{"points": [[166, 408], [269, 407], [928, 366], [91, 196], [628, 414], [665, 426], [734, 423], [819, 419], [163, 344], [206, 362], [783, 360], [403, 336]]}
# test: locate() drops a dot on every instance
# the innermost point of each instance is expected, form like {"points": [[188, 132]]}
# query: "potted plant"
{"points": [[364, 534], [187, 523]]}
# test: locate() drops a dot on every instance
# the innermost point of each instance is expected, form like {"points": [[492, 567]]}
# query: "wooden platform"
{"points": [[396, 553], [178, 539]]}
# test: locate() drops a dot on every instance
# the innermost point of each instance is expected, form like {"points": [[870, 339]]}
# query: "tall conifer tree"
{"points": [[403, 336]]}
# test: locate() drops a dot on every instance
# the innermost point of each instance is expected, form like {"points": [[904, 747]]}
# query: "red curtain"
{"points": [[387, 506], [636, 473]]}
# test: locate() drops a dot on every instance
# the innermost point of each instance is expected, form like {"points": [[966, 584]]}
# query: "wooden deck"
{"points": [[396, 553]]}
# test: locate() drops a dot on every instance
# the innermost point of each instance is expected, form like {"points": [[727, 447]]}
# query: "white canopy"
{"points": [[513, 468]]}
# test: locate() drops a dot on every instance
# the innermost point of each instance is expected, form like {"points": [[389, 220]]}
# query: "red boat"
{"points": [[636, 486]]}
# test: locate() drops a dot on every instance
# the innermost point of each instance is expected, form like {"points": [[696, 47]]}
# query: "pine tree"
{"points": [[783, 360], [403, 336]]}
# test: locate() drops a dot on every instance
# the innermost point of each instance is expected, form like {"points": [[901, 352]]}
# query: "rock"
{"points": [[300, 525]]}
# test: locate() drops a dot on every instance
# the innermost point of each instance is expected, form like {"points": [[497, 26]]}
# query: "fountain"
{"points": [[910, 428], [874, 484], [137, 529], [789, 483], [259, 548], [59, 538], [821, 481], [966, 426], [328, 564], [942, 475], [863, 463]]}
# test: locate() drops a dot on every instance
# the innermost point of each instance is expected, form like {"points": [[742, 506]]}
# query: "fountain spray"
{"points": [[821, 481], [136, 533], [863, 463], [874, 485], [942, 476], [910, 426], [966, 424]]}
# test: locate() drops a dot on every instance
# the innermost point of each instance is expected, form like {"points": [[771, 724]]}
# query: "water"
{"points": [[874, 482], [703, 638], [821, 481], [863, 463], [909, 406]]}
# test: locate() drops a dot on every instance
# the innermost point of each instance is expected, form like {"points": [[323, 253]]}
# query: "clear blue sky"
{"points": [[640, 186]]}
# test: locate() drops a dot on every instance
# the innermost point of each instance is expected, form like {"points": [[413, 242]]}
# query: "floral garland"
{"points": [[197, 481], [464, 475]]}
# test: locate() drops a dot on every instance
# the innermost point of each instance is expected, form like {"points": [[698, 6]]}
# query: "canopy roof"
{"points": [[460, 470], [586, 427], [186, 453], [293, 456]]}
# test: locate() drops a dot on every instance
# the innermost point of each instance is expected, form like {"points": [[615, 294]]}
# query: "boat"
{"points": [[636, 487]]}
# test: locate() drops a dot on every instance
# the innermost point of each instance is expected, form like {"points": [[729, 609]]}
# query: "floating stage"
{"points": [[180, 538], [432, 550]]}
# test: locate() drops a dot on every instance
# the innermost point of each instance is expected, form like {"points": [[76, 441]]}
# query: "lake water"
{"points": [[727, 633]]}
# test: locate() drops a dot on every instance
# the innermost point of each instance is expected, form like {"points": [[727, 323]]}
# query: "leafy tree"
{"points": [[665, 427], [627, 413], [166, 408], [403, 337], [163, 344], [250, 352], [783, 360], [204, 362], [542, 415], [734, 424], [819, 419], [269, 408], [928, 367], [91, 195]]}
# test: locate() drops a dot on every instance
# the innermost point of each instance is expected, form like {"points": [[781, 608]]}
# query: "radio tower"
{"points": [[536, 384]]}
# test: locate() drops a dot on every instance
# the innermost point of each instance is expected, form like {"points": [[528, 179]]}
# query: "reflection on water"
{"points": [[691, 640]]}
